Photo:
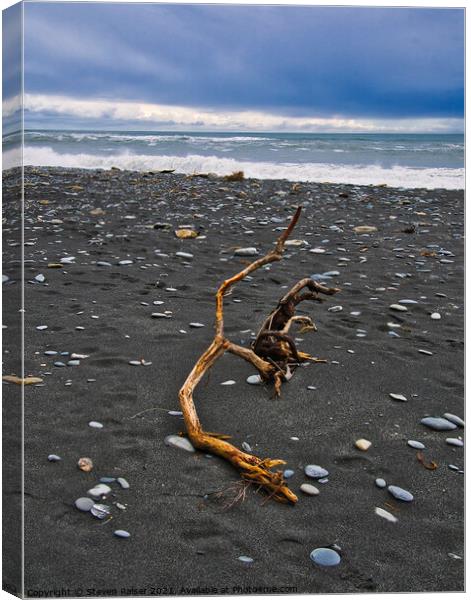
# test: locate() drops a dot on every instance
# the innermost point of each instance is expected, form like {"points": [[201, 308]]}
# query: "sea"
{"points": [[398, 160]]}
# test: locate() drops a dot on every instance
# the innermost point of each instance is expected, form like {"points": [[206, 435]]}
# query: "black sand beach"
{"points": [[182, 540]]}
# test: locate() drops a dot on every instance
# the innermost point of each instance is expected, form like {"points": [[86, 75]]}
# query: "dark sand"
{"points": [[180, 540]]}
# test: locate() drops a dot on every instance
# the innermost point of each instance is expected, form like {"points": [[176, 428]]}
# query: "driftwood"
{"points": [[273, 354]]}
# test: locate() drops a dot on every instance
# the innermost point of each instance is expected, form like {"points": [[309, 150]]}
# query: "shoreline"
{"points": [[119, 226]]}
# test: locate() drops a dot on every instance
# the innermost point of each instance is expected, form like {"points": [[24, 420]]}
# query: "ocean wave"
{"points": [[397, 176], [52, 136]]}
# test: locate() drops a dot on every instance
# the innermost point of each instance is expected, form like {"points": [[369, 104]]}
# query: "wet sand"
{"points": [[183, 540]]}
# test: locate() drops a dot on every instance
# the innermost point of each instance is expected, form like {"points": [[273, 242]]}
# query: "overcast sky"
{"points": [[243, 67]]}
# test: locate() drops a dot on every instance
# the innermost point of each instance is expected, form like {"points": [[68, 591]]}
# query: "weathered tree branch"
{"points": [[273, 354]]}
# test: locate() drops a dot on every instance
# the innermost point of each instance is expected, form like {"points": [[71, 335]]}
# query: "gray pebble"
{"points": [[179, 442], [455, 442], [416, 445], [400, 494], [84, 504], [121, 533], [315, 471], [245, 559], [325, 557], [288, 473], [380, 483], [309, 489], [123, 483], [454, 419], [438, 423], [53, 458], [95, 425]]}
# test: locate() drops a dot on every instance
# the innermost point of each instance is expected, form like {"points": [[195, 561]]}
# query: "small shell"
{"points": [[85, 464]]}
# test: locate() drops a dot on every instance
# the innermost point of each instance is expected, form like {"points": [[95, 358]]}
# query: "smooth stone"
{"points": [[416, 445], [107, 479], [245, 559], [407, 301], [426, 352], [325, 557], [335, 309], [100, 511], [58, 363], [179, 442], [40, 278], [315, 471], [399, 397], [228, 382], [398, 307], [50, 352], [246, 447], [67, 260], [175, 413], [246, 252], [123, 483], [454, 419], [95, 424], [41, 327], [254, 380], [385, 514], [103, 263], [121, 533], [455, 442], [159, 315], [135, 363], [73, 363], [5, 278], [438, 423], [196, 325], [184, 254], [53, 458], [125, 262], [400, 494], [101, 489], [84, 504], [288, 473], [435, 316], [363, 444], [380, 483], [309, 489]]}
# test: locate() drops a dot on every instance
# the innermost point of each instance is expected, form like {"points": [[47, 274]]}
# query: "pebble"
{"points": [[41, 327], [175, 413], [59, 363], [95, 425], [50, 352], [335, 309], [246, 252], [398, 307], [67, 260], [228, 382], [385, 514], [400, 494], [53, 458], [84, 504], [107, 479], [426, 352], [184, 254], [158, 315], [245, 559], [123, 483], [101, 489], [416, 445], [288, 473], [85, 464], [100, 511], [455, 442], [121, 533], [436, 316], [438, 423], [196, 325], [315, 471], [125, 262], [309, 489], [363, 444], [454, 419], [399, 397], [325, 557], [40, 278], [380, 483], [179, 442], [254, 380], [73, 363], [246, 447]]}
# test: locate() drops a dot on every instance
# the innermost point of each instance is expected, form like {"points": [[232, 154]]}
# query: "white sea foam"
{"points": [[397, 176]]}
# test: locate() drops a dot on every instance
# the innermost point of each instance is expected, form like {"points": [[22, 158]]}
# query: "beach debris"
{"points": [[385, 514], [399, 397], [309, 489], [381, 483], [185, 234], [363, 444], [84, 504], [20, 381], [85, 464], [438, 423], [121, 533], [315, 471], [273, 353], [431, 466], [235, 176], [400, 494], [179, 442], [54, 458], [325, 557]]}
